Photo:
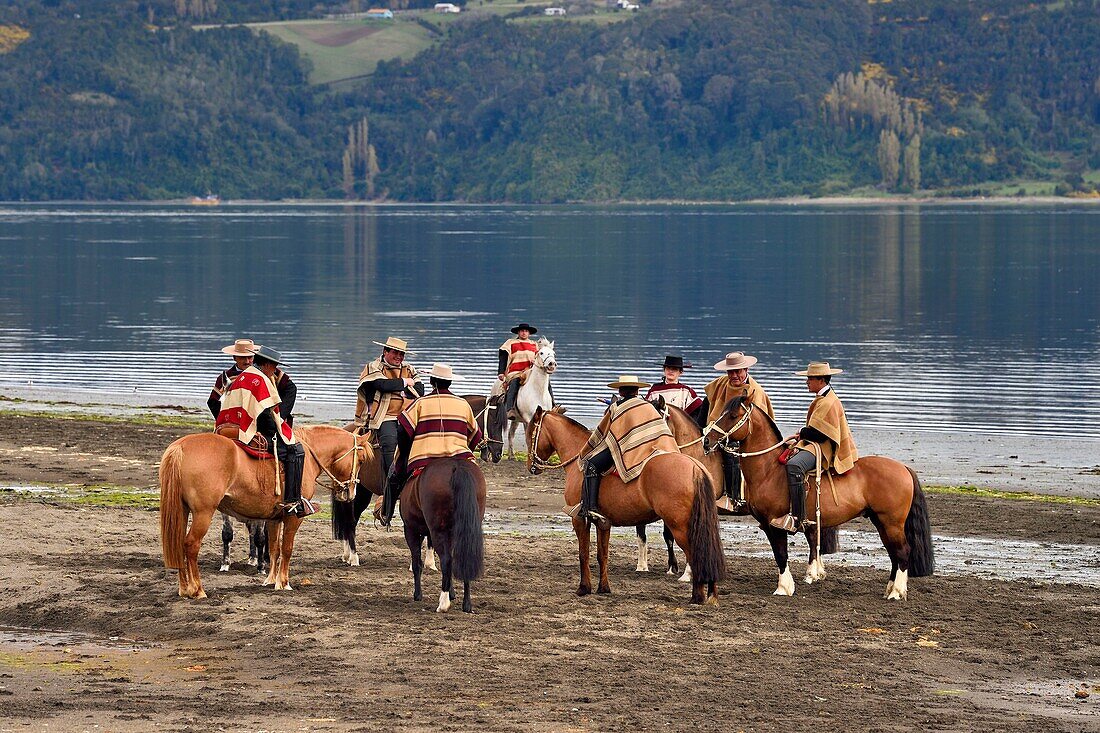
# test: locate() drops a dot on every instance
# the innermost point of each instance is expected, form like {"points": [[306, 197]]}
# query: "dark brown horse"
{"points": [[672, 487], [689, 436], [882, 489], [446, 503]]}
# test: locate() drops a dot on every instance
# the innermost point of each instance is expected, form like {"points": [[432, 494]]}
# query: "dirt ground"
{"points": [[95, 638]]}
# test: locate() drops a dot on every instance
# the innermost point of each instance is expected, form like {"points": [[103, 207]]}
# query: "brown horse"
{"points": [[673, 487], [882, 489], [204, 473], [446, 504], [689, 436]]}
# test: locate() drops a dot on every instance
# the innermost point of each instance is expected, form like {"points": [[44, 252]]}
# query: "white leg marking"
{"points": [[686, 577], [786, 583], [889, 589], [354, 560], [431, 560], [901, 586], [346, 554], [253, 562], [643, 556], [224, 568], [444, 602], [815, 571]]}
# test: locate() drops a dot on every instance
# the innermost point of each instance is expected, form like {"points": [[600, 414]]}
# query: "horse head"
{"points": [[538, 446], [731, 424], [545, 358]]}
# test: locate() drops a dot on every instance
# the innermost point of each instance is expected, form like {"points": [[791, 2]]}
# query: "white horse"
{"points": [[534, 393]]}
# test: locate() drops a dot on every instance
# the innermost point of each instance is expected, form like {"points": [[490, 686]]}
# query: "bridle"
{"points": [[537, 462], [723, 442]]}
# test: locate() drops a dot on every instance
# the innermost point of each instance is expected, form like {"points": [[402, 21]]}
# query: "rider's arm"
{"points": [[215, 404], [387, 385], [502, 361], [812, 434], [288, 393]]}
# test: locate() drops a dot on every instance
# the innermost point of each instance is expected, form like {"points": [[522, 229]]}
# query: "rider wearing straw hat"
{"points": [[387, 386], [826, 432], [735, 383], [242, 350], [631, 432], [438, 425], [672, 391]]}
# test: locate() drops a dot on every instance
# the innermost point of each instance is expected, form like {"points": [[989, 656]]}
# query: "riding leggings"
{"points": [[801, 463]]}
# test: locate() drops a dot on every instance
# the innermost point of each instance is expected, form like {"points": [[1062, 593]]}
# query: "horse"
{"points": [[258, 556], [885, 490], [446, 504], [689, 436], [485, 414], [533, 394], [673, 487], [206, 472]]}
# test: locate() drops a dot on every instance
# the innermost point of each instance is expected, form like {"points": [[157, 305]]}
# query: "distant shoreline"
{"points": [[837, 201]]}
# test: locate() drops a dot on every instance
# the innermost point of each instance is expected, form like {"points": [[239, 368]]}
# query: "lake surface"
{"points": [[944, 317]]}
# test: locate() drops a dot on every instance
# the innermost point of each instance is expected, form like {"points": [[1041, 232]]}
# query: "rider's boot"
{"points": [[293, 464], [732, 499], [510, 396], [590, 496], [789, 523], [389, 497]]}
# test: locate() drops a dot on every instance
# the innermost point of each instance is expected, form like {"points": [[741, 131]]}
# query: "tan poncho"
{"points": [[386, 405], [634, 431], [826, 415], [720, 392]]}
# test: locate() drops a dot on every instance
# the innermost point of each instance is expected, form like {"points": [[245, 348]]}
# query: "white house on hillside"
{"points": [[447, 8], [554, 11]]}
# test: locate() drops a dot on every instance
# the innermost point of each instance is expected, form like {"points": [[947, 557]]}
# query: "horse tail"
{"points": [[467, 541], [173, 512], [918, 533], [343, 519], [830, 540], [708, 563]]}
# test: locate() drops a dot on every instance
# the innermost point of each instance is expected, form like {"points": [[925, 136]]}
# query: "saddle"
{"points": [[258, 447]]}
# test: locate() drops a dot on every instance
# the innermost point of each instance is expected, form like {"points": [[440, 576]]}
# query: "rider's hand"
{"points": [[409, 382], [500, 377]]}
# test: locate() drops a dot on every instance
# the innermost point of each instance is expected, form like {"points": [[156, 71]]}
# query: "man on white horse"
{"points": [[514, 360]]}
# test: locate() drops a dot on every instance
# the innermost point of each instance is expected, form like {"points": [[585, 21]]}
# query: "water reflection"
{"points": [[945, 317]]}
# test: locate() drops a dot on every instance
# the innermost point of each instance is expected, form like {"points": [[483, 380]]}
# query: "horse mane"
{"points": [[568, 420], [696, 431], [775, 428]]}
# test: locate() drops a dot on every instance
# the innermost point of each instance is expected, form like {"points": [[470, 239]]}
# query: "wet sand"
{"points": [[348, 649]]}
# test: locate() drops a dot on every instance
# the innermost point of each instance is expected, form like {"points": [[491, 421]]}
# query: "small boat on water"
{"points": [[210, 199]]}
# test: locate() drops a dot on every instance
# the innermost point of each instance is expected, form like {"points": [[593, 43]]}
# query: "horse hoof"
{"points": [[200, 595], [444, 602], [224, 568], [583, 590], [711, 601], [418, 596], [252, 561], [467, 608], [354, 561], [603, 591]]}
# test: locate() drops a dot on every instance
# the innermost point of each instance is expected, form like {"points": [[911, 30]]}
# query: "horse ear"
{"points": [[560, 409], [538, 411]]}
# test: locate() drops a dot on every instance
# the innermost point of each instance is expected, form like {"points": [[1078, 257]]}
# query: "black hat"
{"points": [[522, 326], [268, 353], [675, 362]]}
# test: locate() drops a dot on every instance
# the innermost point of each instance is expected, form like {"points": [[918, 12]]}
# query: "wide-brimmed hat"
{"points": [[443, 371], [396, 344], [240, 347], [522, 326], [266, 352], [819, 369], [735, 360], [675, 362], [628, 380]]}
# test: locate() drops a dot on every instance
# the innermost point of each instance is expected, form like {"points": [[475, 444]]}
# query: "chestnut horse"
{"points": [[204, 473], [446, 504], [882, 489], [689, 436], [672, 487]]}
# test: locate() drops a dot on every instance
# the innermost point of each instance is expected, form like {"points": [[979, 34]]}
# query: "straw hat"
{"points": [[240, 347], [266, 352], [396, 344], [628, 380], [819, 369], [735, 360], [531, 329], [443, 371]]}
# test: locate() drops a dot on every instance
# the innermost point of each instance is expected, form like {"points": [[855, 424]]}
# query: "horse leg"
{"points": [[431, 557], [258, 535], [467, 604], [778, 540], [200, 523], [670, 545], [815, 569], [603, 551], [893, 538], [414, 541], [445, 571], [254, 539], [512, 439], [286, 547], [227, 541], [584, 541], [643, 551], [274, 537]]}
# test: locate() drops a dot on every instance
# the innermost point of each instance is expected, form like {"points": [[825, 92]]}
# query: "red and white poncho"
{"points": [[248, 395]]}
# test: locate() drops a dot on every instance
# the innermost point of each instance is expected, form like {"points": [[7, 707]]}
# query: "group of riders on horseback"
{"points": [[253, 402]]}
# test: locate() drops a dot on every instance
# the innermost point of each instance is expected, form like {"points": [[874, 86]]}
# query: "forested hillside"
{"points": [[727, 99]]}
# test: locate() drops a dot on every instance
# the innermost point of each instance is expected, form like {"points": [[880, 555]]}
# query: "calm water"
{"points": [[972, 318]]}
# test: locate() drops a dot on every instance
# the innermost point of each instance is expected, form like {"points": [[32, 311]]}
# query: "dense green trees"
{"points": [[718, 100]]}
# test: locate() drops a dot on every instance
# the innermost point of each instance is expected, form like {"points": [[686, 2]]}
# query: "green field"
{"points": [[323, 43]]}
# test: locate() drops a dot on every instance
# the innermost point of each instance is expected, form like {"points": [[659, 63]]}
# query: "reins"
{"points": [[538, 462], [713, 427], [348, 486]]}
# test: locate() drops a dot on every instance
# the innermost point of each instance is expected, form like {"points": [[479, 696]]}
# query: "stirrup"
{"points": [[572, 511], [787, 523]]}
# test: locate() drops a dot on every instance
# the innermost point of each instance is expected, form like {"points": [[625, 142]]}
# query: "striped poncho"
{"points": [[633, 431], [248, 396], [441, 425]]}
